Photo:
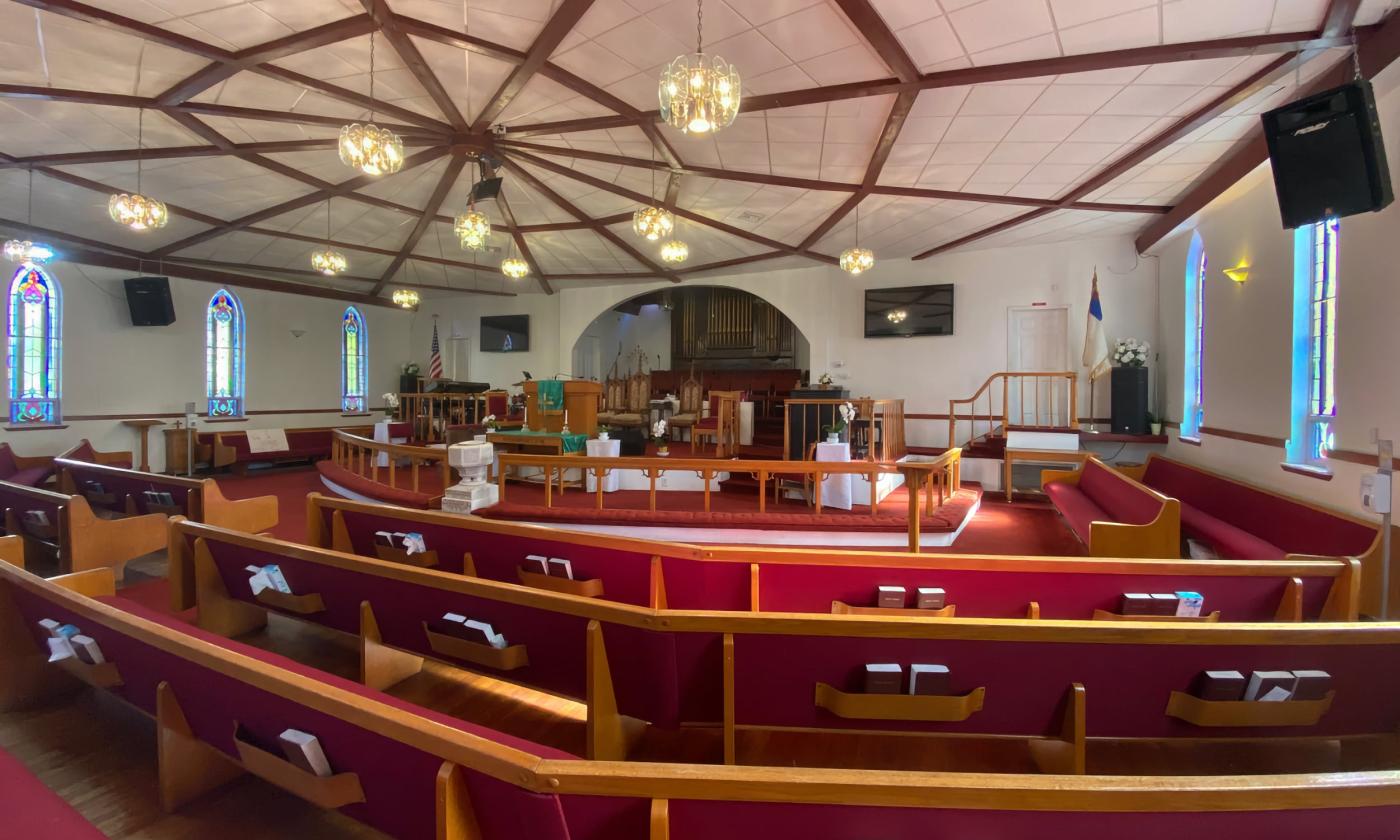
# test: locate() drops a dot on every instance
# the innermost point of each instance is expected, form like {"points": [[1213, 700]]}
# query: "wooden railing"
{"points": [[929, 483], [877, 434], [1050, 401], [360, 455], [431, 414]]}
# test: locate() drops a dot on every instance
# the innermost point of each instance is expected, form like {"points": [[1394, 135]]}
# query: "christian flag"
{"points": [[1095, 345], [435, 357]]}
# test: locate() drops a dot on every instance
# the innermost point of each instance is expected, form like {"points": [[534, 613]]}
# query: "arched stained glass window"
{"points": [[35, 339], [224, 355], [354, 358]]}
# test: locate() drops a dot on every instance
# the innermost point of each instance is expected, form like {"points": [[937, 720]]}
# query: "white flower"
{"points": [[848, 412], [391, 399], [490, 418], [659, 430]]}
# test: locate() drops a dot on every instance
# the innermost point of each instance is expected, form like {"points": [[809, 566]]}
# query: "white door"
{"points": [[1037, 339], [586, 359]]}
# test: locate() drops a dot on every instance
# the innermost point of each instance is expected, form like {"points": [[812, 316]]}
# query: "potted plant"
{"points": [[604, 432], [391, 403], [1155, 423], [834, 429], [489, 421], [658, 435], [824, 381]]}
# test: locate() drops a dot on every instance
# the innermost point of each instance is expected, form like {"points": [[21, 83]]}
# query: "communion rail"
{"points": [[370, 459]]}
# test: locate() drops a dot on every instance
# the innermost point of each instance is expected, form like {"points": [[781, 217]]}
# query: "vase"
{"points": [[1156, 428], [603, 436], [662, 451], [833, 437]]}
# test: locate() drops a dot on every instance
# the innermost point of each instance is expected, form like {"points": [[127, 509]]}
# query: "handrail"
{"points": [[880, 423], [1005, 376], [430, 414], [941, 475], [349, 452]]}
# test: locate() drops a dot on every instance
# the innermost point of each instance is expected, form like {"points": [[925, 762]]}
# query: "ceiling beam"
{"points": [[164, 37], [565, 16], [444, 186], [641, 198], [1376, 50], [316, 275], [377, 107], [165, 153], [413, 59], [569, 207]]}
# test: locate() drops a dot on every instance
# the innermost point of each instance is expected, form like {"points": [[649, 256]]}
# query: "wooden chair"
{"points": [[637, 412], [692, 401], [614, 400], [498, 403], [722, 424]]}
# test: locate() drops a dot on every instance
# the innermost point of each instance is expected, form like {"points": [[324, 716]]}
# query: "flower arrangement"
{"points": [[604, 431], [1131, 352], [658, 434], [410, 368], [489, 421], [391, 403], [825, 380], [847, 415]]}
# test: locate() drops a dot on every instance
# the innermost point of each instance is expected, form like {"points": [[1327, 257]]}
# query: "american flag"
{"points": [[435, 357]]}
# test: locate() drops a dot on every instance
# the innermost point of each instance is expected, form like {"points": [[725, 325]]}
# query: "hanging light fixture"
{"points": [[472, 227], [675, 252], [407, 298], [514, 267], [896, 316], [369, 148], [857, 260], [329, 262], [653, 223], [699, 93], [24, 250], [137, 211]]}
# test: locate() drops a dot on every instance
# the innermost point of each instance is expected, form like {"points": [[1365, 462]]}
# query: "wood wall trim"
{"points": [[180, 415], [1304, 471], [1351, 456], [1247, 437]]}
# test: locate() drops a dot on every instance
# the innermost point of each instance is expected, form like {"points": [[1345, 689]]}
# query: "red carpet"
{"points": [[289, 485]]}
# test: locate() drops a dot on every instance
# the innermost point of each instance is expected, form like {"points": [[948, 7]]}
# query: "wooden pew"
{"points": [[81, 539], [661, 574], [423, 775], [305, 444], [1112, 514], [83, 450], [29, 470], [1013, 678], [123, 491]]}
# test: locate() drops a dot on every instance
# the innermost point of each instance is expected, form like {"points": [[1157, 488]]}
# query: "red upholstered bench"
{"points": [[17, 469], [373, 490], [85, 451], [1112, 514], [34, 812]]}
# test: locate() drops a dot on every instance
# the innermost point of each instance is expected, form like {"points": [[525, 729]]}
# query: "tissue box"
{"points": [[1270, 686], [890, 597], [1189, 603], [883, 678], [930, 680], [930, 598]]}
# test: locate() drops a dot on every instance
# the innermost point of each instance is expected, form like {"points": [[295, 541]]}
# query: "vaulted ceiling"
{"points": [[929, 124]]}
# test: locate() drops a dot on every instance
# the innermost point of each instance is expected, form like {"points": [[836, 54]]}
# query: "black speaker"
{"points": [[408, 383], [633, 441], [148, 298], [1129, 386], [1327, 155], [486, 189]]}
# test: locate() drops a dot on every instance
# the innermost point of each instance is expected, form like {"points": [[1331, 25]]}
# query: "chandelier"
{"points": [[675, 252], [23, 250], [653, 223], [329, 262], [407, 298], [857, 260], [134, 210], [514, 267], [896, 316], [699, 93], [472, 228], [369, 148]]}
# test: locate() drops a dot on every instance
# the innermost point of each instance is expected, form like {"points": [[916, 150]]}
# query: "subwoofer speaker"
{"points": [[633, 441], [1129, 401], [1327, 155], [148, 298]]}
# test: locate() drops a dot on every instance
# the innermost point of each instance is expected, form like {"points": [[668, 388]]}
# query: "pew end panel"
{"points": [[248, 515], [94, 543], [1158, 539]]}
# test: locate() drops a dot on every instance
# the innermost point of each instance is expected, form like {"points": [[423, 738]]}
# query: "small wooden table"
{"points": [[532, 443], [1048, 456], [144, 425]]}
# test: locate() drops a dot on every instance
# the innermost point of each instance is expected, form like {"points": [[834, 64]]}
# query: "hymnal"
{"points": [[537, 563], [35, 517], [304, 750], [890, 597], [1136, 603], [1270, 686], [1312, 685], [930, 680], [1164, 604], [559, 567], [488, 633], [384, 538], [1220, 685], [882, 678], [1189, 604], [94, 487], [60, 648], [50, 626], [449, 625], [930, 598], [87, 649]]}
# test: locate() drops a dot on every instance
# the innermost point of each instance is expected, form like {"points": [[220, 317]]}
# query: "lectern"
{"points": [[580, 404]]}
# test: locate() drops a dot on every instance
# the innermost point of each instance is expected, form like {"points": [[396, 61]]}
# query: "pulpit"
{"points": [[580, 405]]}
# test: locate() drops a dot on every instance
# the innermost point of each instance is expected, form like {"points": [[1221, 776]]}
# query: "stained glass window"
{"points": [[33, 350], [1322, 344], [1193, 413], [224, 355], [354, 355]]}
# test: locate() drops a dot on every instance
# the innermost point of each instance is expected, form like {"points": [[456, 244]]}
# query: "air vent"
{"points": [[750, 217]]}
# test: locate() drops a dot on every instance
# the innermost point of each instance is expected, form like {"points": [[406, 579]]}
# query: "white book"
{"points": [[494, 639], [259, 581], [50, 626], [559, 567], [274, 575], [60, 648], [304, 750], [87, 649]]}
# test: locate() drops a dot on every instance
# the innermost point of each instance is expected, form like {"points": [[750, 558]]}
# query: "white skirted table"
{"points": [[746, 424], [836, 489], [602, 449], [381, 435]]}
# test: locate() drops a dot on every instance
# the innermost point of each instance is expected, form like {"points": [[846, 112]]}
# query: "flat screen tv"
{"points": [[505, 333], [909, 310]]}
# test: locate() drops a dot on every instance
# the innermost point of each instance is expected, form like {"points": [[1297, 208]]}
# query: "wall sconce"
{"points": [[1239, 273]]}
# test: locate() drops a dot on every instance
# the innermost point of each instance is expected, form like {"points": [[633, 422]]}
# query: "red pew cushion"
{"points": [[1076, 507], [372, 489], [34, 812], [32, 477], [1228, 540], [1120, 499]]}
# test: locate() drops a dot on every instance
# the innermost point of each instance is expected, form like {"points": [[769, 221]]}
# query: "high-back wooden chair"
{"points": [[637, 392], [692, 399], [722, 424], [614, 400]]}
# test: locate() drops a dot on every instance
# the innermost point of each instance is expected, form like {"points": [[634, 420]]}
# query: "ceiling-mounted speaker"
{"points": [[487, 189], [148, 298], [1327, 155]]}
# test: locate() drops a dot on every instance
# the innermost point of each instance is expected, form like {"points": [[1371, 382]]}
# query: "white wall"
{"points": [[112, 368], [460, 315], [1248, 332], [649, 329]]}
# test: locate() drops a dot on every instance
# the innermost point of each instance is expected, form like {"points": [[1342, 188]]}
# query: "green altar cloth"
{"points": [[571, 442], [550, 394]]}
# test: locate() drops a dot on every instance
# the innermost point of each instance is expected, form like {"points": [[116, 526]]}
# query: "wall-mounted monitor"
{"points": [[909, 310], [505, 333]]}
